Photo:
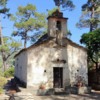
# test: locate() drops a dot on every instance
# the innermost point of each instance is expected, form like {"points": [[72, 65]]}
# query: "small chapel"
{"points": [[54, 60]]}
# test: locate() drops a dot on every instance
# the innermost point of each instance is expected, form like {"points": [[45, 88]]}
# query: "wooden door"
{"points": [[58, 77]]}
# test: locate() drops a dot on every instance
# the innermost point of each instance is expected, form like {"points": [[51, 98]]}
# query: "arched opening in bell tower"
{"points": [[58, 25]]}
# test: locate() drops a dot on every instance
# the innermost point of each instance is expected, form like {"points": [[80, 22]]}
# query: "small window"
{"points": [[58, 25]]}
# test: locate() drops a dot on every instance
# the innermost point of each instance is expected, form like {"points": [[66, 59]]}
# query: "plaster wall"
{"points": [[41, 64], [21, 67], [35, 66], [52, 27], [64, 27], [77, 62]]}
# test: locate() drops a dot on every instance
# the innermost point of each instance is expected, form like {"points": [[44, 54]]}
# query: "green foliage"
{"points": [[65, 4], [92, 39], [90, 65], [9, 72], [3, 9], [28, 20], [3, 2], [92, 42], [9, 48], [90, 4], [68, 4], [2, 83], [51, 11], [90, 15], [10, 45], [1, 73]]}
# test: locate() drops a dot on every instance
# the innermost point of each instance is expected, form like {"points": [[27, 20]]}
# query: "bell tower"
{"points": [[57, 25]]}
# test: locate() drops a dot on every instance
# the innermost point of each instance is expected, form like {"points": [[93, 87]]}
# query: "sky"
{"points": [[42, 6]]}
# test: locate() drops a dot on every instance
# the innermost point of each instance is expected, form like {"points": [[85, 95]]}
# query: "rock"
{"points": [[84, 89], [78, 90]]}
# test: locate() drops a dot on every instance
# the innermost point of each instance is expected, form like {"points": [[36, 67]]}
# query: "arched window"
{"points": [[58, 25]]}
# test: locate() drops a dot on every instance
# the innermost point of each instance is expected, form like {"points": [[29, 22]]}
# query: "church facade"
{"points": [[54, 60]]}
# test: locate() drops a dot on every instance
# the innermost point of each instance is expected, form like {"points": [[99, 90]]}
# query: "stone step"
{"points": [[59, 91]]}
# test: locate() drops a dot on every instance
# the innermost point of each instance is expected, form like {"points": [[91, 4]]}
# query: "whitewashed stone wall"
{"points": [[77, 62], [41, 59], [52, 26], [21, 66], [35, 66]]}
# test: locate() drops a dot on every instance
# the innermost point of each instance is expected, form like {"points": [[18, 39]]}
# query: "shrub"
{"points": [[9, 72], [1, 73], [3, 81]]}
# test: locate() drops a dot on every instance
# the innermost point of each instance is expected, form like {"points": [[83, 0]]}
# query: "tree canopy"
{"points": [[92, 42], [90, 15], [28, 20], [65, 4], [9, 48], [3, 9]]}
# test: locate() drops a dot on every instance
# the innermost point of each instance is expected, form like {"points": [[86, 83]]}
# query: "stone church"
{"points": [[54, 60]]}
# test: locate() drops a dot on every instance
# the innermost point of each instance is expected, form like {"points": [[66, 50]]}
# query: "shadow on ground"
{"points": [[23, 94], [93, 96]]}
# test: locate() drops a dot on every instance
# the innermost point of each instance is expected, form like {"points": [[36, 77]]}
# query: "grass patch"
{"points": [[3, 81], [9, 72]]}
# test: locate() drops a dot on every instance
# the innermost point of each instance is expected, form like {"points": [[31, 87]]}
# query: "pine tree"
{"points": [[28, 20], [5, 12], [65, 4], [90, 15]]}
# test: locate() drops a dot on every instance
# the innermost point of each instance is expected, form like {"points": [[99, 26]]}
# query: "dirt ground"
{"points": [[25, 95]]}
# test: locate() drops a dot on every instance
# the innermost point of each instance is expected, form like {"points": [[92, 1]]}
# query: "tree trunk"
{"points": [[92, 16], [25, 43], [91, 27], [96, 66], [4, 62], [4, 66], [2, 53]]}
